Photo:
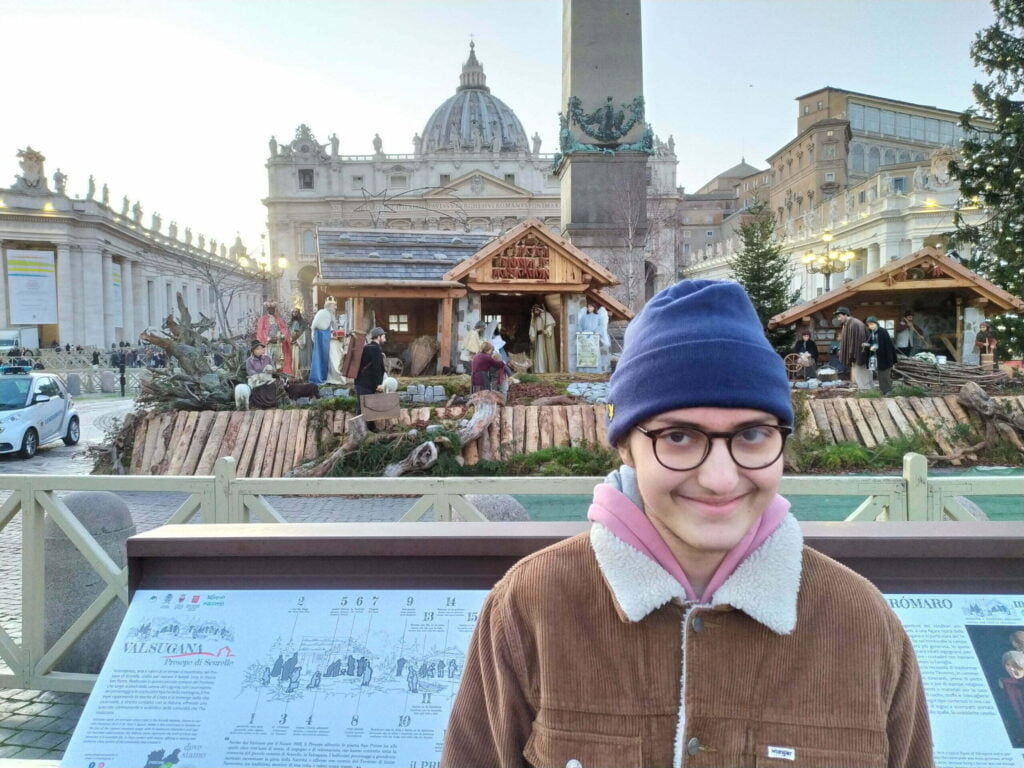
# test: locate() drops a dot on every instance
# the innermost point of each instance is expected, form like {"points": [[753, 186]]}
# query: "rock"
{"points": [[71, 583], [342, 392], [439, 393], [303, 401], [434, 428], [413, 433], [74, 382], [499, 508]]}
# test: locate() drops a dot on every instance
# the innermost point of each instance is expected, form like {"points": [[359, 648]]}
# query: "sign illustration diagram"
{"points": [[279, 678]]}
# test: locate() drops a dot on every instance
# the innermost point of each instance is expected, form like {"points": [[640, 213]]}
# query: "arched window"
{"points": [[890, 157], [874, 160], [904, 156], [650, 273], [308, 242], [857, 158]]}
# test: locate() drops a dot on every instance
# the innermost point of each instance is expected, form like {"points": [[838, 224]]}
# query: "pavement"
{"points": [[36, 725]]}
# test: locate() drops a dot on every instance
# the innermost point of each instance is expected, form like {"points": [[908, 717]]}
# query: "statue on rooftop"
{"points": [[536, 143], [60, 183], [106, 195], [334, 145], [273, 146], [378, 145]]}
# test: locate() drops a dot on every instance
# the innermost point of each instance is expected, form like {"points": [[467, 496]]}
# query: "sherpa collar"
{"points": [[764, 586]]}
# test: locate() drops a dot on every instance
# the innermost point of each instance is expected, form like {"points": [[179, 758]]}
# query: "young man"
{"points": [[690, 627], [853, 348]]}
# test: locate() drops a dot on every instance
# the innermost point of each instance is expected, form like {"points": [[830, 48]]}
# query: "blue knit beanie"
{"points": [[697, 343]]}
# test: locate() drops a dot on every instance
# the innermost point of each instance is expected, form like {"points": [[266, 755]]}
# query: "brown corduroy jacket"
{"points": [[585, 655]]}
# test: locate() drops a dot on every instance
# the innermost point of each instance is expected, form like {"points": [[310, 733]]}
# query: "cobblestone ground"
{"points": [[38, 724]]}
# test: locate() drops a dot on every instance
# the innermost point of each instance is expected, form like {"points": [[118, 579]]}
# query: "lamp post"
{"points": [[829, 263]]}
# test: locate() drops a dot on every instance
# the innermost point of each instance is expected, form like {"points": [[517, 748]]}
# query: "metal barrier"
{"points": [[224, 498]]}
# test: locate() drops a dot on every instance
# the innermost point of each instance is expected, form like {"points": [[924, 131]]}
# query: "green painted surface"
{"points": [[561, 508]]}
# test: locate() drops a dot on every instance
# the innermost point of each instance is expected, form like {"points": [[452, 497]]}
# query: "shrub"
{"points": [[908, 390]]}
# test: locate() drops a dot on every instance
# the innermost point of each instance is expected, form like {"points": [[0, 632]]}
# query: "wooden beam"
{"points": [[410, 292], [943, 284], [527, 287], [445, 333]]}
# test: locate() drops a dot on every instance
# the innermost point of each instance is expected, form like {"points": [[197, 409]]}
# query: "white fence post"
{"points": [[915, 474], [227, 504]]}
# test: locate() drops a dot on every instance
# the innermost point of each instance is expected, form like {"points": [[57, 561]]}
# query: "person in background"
{"points": [[488, 369], [853, 348], [905, 333], [884, 353], [808, 350], [985, 342], [690, 625], [370, 378]]}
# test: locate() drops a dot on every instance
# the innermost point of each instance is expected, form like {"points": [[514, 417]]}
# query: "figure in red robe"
{"points": [[272, 331]]}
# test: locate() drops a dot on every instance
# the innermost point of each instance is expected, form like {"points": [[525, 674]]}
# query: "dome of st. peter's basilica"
{"points": [[473, 119]]}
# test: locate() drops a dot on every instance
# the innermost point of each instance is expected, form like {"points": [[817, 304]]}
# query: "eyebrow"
{"points": [[682, 423]]}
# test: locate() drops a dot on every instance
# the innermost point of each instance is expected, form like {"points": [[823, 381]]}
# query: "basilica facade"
{"points": [[473, 168]]}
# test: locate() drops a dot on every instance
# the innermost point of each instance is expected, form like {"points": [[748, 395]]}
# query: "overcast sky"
{"points": [[173, 102]]}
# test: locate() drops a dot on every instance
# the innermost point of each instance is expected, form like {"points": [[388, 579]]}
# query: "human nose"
{"points": [[719, 473]]}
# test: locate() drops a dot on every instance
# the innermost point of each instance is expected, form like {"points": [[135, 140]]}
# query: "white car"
{"points": [[35, 409]]}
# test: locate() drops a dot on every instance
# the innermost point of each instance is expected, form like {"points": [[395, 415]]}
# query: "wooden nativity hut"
{"points": [[948, 301], [440, 284]]}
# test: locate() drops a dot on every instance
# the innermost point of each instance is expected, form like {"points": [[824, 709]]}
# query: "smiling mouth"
{"points": [[716, 505]]}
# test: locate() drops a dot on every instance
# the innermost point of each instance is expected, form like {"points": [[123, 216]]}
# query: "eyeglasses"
{"points": [[684, 448]]}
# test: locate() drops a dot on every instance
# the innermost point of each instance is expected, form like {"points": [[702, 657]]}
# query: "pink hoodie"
{"points": [[616, 511]]}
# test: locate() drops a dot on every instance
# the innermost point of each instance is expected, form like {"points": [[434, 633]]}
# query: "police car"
{"points": [[35, 409]]}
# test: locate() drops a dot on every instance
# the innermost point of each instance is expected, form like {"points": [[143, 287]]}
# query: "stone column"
{"points": [[141, 294], [874, 257], [889, 249], [916, 244], [65, 296], [108, 299], [93, 320], [128, 330]]}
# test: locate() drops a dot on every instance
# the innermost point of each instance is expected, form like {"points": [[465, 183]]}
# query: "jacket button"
{"points": [[693, 746], [574, 763], [697, 624]]}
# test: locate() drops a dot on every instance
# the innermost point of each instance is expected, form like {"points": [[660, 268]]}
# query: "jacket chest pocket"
{"points": [[769, 756], [550, 748]]}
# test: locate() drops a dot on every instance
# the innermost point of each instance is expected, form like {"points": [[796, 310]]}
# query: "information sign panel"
{"points": [[965, 646], [32, 287], [279, 678]]}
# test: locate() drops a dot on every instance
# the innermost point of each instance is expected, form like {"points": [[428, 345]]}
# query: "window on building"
{"points": [[830, 134], [890, 157], [308, 242], [709, 233], [857, 117], [946, 133], [872, 120], [830, 177], [357, 182], [830, 151], [821, 105], [211, 296], [510, 178], [398, 323], [899, 184], [874, 159], [862, 196], [168, 298], [807, 109], [305, 178], [917, 128], [931, 130], [686, 247], [888, 122], [445, 180], [398, 181], [903, 125]]}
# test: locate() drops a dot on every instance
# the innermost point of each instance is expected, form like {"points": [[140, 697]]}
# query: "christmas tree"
{"points": [[991, 173], [765, 274]]}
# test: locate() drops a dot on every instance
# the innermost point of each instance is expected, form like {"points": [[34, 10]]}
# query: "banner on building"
{"points": [[31, 287], [115, 295]]}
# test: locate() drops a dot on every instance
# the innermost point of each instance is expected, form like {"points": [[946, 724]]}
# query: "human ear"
{"points": [[625, 453]]}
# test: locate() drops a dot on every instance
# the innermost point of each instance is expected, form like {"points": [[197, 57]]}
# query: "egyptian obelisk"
{"points": [[604, 138]]}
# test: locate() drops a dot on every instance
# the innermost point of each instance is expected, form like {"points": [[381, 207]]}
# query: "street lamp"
{"points": [[830, 262]]}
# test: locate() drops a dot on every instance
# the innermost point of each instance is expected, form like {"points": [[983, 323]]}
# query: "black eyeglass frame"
{"points": [[654, 434]]}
